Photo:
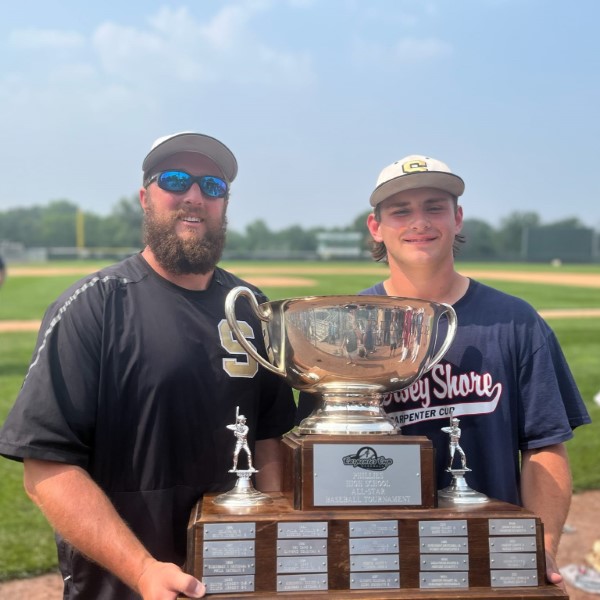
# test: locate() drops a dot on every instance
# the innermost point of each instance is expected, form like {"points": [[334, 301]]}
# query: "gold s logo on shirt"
{"points": [[244, 365]]}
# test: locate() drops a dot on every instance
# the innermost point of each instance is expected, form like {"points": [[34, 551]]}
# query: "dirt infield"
{"points": [[12, 326], [567, 279], [277, 276], [278, 281]]}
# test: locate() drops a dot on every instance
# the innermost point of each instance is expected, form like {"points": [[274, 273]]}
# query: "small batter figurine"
{"points": [[454, 432], [240, 430]]}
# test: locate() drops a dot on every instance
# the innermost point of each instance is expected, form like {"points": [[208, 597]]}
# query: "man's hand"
{"points": [[166, 581], [553, 574], [77, 508], [546, 490]]}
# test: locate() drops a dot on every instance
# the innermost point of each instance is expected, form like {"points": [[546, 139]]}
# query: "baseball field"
{"points": [[567, 296]]}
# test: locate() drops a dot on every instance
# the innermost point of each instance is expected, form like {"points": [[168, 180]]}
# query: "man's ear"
{"points": [[458, 219], [144, 198], [373, 226]]}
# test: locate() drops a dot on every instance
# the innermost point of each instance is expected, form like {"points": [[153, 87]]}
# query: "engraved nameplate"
{"points": [[374, 581], [225, 585], [351, 475], [229, 531], [512, 544], [511, 560], [301, 529], [373, 528], [374, 546], [228, 549], [302, 564], [443, 528], [521, 578], [228, 566], [512, 526], [442, 545], [444, 580], [443, 562], [301, 583], [301, 547], [375, 562]]}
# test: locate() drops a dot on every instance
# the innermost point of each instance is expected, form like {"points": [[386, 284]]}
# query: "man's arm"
{"points": [[546, 490], [78, 509], [268, 461]]}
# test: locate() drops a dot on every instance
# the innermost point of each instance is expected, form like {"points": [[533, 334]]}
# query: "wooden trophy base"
{"points": [[316, 540], [274, 551]]}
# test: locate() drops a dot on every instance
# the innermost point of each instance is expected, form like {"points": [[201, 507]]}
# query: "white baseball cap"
{"points": [[413, 172], [188, 141]]}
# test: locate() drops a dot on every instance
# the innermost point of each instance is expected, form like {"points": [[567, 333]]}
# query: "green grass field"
{"points": [[25, 538]]}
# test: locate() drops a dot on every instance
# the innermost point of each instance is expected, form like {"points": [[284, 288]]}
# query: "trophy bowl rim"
{"points": [[375, 298]]}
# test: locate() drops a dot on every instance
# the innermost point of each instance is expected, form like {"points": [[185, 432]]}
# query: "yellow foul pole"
{"points": [[80, 230]]}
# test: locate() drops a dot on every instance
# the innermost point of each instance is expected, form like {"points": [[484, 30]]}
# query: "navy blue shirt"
{"points": [[504, 377]]}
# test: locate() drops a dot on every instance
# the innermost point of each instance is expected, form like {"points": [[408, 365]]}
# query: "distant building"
{"points": [[339, 244]]}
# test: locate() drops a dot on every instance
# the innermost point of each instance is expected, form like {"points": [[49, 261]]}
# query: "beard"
{"points": [[184, 256]]}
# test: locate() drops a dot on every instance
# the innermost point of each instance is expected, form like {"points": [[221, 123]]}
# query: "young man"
{"points": [[121, 420], [504, 375]]}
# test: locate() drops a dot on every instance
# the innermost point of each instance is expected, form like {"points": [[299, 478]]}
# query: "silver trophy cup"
{"points": [[349, 350]]}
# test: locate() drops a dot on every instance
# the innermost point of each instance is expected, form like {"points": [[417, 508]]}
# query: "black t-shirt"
{"points": [[134, 379]]}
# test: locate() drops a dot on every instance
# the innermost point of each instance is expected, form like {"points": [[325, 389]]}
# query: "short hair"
{"points": [[379, 251]]}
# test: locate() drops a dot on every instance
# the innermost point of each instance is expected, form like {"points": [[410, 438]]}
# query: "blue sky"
{"points": [[314, 97]]}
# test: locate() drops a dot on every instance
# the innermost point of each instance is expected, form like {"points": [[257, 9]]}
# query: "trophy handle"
{"points": [[263, 313], [452, 324]]}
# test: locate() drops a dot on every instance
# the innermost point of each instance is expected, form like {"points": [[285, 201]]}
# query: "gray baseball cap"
{"points": [[413, 172], [188, 141]]}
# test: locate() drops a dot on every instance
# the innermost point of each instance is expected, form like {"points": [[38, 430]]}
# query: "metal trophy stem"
{"points": [[349, 414], [244, 493], [458, 492]]}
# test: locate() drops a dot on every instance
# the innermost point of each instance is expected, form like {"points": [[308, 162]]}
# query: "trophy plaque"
{"points": [[359, 515]]}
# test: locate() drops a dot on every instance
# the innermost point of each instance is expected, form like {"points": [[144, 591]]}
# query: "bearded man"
{"points": [[121, 420]]}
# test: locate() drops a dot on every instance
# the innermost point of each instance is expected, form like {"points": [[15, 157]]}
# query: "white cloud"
{"points": [[414, 49], [402, 15], [68, 73], [229, 26], [302, 3], [37, 39], [118, 49], [177, 46], [407, 51]]}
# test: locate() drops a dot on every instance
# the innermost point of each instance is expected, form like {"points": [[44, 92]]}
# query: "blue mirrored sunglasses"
{"points": [[180, 181]]}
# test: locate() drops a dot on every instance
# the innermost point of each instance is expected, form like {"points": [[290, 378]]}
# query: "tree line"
{"points": [[55, 226]]}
